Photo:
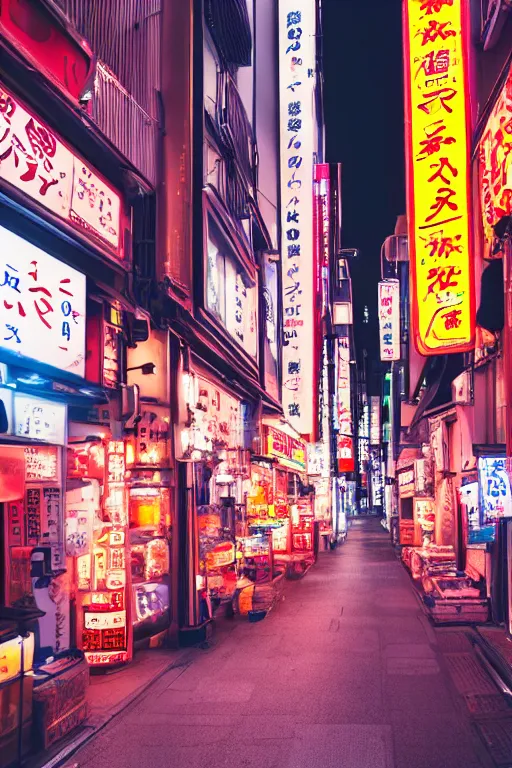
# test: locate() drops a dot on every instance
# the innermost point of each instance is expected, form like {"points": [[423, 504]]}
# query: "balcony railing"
{"points": [[123, 121]]}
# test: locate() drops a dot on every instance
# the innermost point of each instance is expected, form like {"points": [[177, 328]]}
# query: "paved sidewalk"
{"points": [[346, 671]]}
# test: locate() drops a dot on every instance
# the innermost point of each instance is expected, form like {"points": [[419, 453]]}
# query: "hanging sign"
{"points": [[297, 29], [374, 420], [42, 305], [495, 167], [289, 450], [495, 492], [36, 161], [438, 184], [389, 320], [345, 437]]}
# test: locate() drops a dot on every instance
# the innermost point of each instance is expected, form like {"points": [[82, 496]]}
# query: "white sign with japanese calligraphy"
{"points": [[389, 320], [374, 420], [42, 305], [38, 419], [344, 407], [297, 27], [37, 162]]}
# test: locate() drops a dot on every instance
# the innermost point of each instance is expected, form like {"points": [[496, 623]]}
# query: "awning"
{"points": [[407, 458]]}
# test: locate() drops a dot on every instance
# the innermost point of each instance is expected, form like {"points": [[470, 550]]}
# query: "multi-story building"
{"points": [[165, 302]]}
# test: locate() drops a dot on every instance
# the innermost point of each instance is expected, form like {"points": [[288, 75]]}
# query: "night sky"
{"points": [[365, 132]]}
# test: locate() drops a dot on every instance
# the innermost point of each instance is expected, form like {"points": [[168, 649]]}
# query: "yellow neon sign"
{"points": [[438, 204]]}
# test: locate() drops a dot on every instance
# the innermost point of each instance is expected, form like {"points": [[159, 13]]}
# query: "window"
{"points": [[406, 509], [230, 297]]}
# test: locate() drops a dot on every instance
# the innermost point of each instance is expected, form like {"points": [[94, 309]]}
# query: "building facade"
{"points": [[170, 371]]}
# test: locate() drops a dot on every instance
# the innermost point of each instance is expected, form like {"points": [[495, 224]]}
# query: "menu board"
{"points": [[33, 516], [41, 463]]}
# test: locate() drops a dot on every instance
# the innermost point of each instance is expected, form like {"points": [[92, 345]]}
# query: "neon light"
{"points": [[437, 148]]}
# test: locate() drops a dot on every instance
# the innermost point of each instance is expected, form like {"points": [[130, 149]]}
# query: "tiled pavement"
{"points": [[346, 671]]}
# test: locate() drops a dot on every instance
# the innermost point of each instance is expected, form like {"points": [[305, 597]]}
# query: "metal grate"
{"points": [[497, 736], [453, 642], [467, 674], [481, 704]]}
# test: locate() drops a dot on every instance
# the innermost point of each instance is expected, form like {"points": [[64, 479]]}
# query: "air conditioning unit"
{"points": [[462, 389]]}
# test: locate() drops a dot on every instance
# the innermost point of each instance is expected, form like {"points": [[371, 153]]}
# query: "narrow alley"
{"points": [[347, 671]]}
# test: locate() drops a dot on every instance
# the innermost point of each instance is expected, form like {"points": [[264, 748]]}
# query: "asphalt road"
{"points": [[346, 671]]}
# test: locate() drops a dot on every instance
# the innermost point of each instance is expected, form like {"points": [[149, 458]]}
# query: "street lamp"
{"points": [[146, 368]]}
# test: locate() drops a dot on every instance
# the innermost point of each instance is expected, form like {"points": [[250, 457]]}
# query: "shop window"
{"points": [[293, 484], [407, 509]]}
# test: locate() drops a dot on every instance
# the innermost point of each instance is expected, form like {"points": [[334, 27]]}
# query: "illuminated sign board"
{"points": [[37, 419], [437, 148], [297, 29], [36, 34], [38, 163], [495, 493], [494, 165], [389, 320], [42, 305], [289, 450], [374, 420], [345, 438], [322, 224]]}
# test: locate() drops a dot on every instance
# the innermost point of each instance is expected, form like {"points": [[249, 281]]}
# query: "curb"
{"points": [[495, 659]]}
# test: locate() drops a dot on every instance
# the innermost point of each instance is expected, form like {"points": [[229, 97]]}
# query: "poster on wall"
{"points": [[495, 491], [41, 463]]}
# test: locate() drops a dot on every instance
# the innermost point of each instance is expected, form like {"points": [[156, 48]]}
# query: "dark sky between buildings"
{"points": [[365, 132]]}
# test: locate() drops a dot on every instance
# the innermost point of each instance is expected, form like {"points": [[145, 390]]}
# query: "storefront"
{"points": [[97, 548], [291, 521], [66, 242], [149, 514], [408, 527], [31, 509], [211, 438]]}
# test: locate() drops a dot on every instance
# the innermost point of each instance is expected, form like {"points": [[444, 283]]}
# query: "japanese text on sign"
{"points": [[344, 407], [438, 182], [389, 320], [495, 157], [34, 160], [296, 82], [42, 305], [290, 450]]}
